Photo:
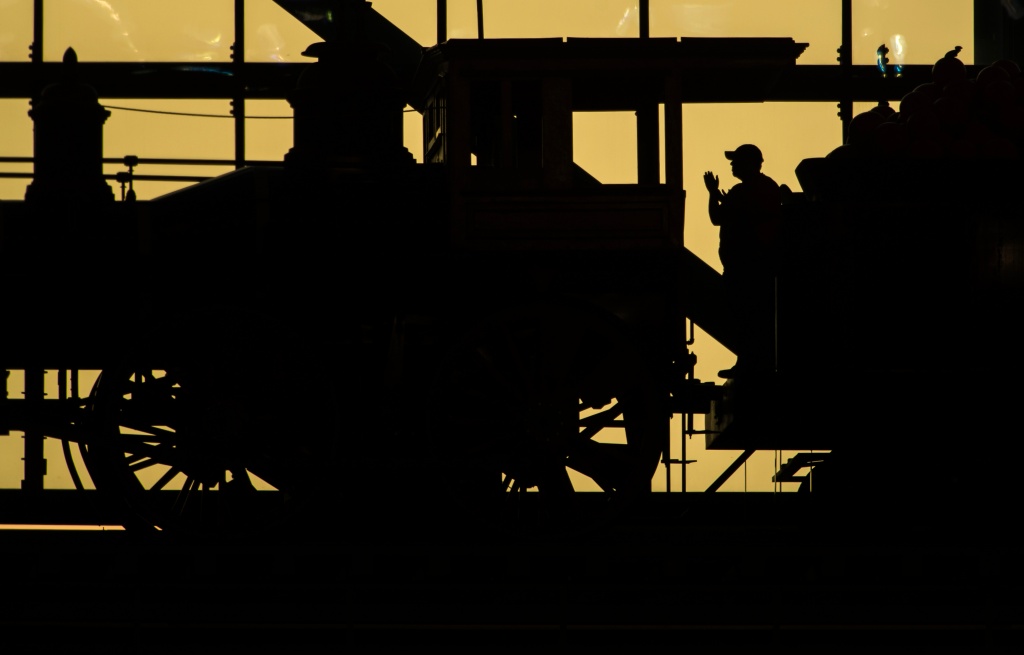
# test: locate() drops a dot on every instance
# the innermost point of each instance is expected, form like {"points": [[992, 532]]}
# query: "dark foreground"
{"points": [[697, 574]]}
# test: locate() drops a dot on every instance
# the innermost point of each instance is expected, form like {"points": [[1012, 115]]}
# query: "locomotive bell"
{"points": [[68, 141]]}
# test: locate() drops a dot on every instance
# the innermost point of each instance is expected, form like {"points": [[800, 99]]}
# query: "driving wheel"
{"points": [[546, 418]]}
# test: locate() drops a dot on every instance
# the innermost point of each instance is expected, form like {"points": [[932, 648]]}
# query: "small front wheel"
{"points": [[233, 432]]}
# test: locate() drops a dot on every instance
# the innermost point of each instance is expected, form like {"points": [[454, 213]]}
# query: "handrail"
{"points": [[114, 176], [160, 160], [143, 177]]}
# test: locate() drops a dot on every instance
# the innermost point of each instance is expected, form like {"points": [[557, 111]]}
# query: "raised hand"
{"points": [[711, 182]]}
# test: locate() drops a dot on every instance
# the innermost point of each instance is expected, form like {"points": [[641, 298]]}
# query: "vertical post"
{"points": [[666, 459], [846, 64], [673, 133], [36, 48], [457, 121], [674, 159], [4, 374], [846, 47], [647, 156], [646, 120], [686, 421], [35, 461], [442, 21], [238, 64], [479, 19], [556, 138], [507, 154], [456, 137]]}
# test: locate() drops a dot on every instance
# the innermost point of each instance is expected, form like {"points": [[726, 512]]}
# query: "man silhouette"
{"points": [[748, 218]]}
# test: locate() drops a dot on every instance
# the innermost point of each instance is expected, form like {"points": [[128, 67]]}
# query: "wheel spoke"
{"points": [[165, 478], [603, 418], [130, 442], [158, 453], [140, 462], [186, 492], [147, 430]]}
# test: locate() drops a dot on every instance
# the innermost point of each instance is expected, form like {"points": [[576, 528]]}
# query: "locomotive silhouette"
{"points": [[478, 331]]}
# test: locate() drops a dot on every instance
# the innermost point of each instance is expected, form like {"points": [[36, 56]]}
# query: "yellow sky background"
{"points": [[917, 32]]}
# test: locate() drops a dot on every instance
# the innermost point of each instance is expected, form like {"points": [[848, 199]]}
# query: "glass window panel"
{"points": [[544, 18], [139, 30], [412, 133], [604, 145], [272, 34], [268, 139], [12, 468], [16, 141], [817, 23], [13, 188], [191, 128], [417, 19], [15, 127], [915, 31], [15, 29], [168, 136], [462, 19]]}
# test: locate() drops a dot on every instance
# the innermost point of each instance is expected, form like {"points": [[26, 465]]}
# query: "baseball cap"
{"points": [[745, 152]]}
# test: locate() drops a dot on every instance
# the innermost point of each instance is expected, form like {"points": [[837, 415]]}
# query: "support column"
{"points": [[557, 134], [673, 133], [35, 461], [507, 153], [648, 159], [4, 375], [36, 47], [442, 21], [238, 101], [456, 125], [845, 60], [458, 149]]}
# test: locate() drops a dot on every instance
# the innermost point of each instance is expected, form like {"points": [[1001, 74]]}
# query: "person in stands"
{"points": [[748, 217]]}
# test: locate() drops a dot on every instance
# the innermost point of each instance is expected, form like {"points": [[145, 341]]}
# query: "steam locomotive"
{"points": [[283, 341]]}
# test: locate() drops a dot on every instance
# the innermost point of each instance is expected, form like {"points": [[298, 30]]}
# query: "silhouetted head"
{"points": [[746, 160]]}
